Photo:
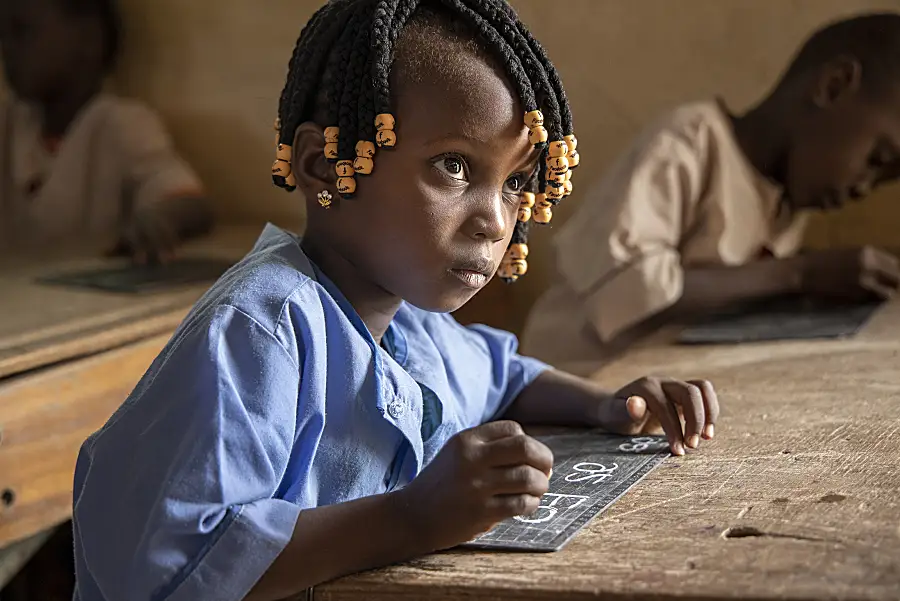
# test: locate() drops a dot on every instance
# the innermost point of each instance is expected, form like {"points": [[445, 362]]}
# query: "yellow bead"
{"points": [[346, 185], [281, 168], [363, 165], [534, 119], [540, 201], [558, 165], [527, 199], [517, 251], [283, 152], [574, 159], [384, 121], [505, 271], [386, 138], [332, 134], [567, 188], [331, 151], [344, 168], [556, 178], [543, 216], [537, 135], [571, 142], [555, 193], [365, 149], [557, 149], [519, 267], [524, 214], [569, 175]]}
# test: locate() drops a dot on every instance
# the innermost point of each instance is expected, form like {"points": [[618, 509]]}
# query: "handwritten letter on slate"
{"points": [[590, 472]]}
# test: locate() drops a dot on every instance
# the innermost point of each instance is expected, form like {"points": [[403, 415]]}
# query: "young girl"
{"points": [[73, 160], [318, 412]]}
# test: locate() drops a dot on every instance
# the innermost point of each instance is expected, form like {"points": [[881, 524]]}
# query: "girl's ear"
{"points": [[311, 170]]}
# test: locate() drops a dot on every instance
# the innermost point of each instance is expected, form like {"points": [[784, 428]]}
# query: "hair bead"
{"points": [[346, 186], [517, 251], [538, 136], [574, 159], [344, 168], [332, 134], [567, 187], [386, 138], [384, 121], [363, 165], [365, 149], [557, 149], [571, 142], [558, 165], [331, 151], [534, 119]]}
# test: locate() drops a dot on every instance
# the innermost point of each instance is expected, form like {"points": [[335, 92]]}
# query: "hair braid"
{"points": [[340, 74]]}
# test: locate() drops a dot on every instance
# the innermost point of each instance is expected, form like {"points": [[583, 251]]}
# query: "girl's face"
{"points": [[433, 221]]}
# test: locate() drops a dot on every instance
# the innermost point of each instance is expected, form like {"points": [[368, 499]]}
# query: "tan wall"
{"points": [[216, 71]]}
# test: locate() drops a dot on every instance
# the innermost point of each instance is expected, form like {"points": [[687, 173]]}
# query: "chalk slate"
{"points": [[591, 471], [135, 279], [788, 319]]}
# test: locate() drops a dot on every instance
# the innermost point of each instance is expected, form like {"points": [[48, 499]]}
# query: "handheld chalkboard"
{"points": [[789, 319], [136, 279], [591, 471]]}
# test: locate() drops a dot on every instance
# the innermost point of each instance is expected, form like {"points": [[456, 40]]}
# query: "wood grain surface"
{"points": [[797, 498]]}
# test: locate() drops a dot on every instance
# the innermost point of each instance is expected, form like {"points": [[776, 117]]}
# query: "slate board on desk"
{"points": [[591, 471], [787, 319], [136, 279]]}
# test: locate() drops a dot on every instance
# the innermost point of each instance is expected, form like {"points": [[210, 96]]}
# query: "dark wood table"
{"points": [[797, 498]]}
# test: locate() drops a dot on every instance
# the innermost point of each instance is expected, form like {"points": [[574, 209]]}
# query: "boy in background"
{"points": [[75, 161], [707, 210]]}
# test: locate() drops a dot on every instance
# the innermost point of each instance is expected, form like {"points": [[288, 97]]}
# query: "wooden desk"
{"points": [[797, 498], [67, 360]]}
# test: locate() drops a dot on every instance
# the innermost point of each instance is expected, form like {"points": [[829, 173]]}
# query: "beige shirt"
{"points": [[116, 155], [683, 194]]}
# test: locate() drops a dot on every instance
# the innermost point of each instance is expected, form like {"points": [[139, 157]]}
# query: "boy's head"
{"points": [[50, 46], [842, 105], [403, 124]]}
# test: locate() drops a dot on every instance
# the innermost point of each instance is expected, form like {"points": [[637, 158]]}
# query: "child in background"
{"points": [[319, 412], [74, 161], [706, 210]]}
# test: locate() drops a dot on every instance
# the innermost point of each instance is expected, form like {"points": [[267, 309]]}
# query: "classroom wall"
{"points": [[216, 71]]}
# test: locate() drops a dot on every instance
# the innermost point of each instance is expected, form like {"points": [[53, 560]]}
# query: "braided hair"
{"points": [[340, 72]]}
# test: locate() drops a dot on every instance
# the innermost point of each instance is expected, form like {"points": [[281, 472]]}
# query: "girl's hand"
{"points": [[481, 477], [651, 404]]}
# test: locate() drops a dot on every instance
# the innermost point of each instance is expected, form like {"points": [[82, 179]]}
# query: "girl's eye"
{"points": [[451, 166], [515, 183]]}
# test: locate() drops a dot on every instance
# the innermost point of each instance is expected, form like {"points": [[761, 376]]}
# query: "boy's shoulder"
{"points": [[693, 126]]}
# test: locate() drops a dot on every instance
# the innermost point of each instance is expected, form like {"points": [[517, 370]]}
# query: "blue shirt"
{"points": [[271, 397]]}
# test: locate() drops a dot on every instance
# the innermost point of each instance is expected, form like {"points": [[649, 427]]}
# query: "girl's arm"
{"points": [[557, 398]]}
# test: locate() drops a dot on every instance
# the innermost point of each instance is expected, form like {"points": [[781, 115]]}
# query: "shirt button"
{"points": [[396, 409]]}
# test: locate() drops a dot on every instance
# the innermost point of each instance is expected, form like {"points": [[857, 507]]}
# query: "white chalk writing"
{"points": [[550, 506]]}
